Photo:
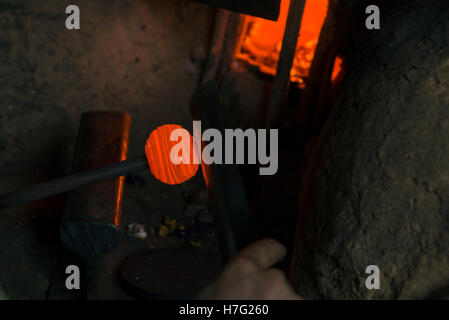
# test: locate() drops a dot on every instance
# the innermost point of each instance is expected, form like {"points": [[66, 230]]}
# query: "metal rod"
{"points": [[288, 50], [72, 182], [267, 9], [232, 213]]}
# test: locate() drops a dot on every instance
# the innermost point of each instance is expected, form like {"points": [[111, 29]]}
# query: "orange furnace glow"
{"points": [[261, 40]]}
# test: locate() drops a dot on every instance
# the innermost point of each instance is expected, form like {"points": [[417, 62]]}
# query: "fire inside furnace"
{"points": [[261, 41]]}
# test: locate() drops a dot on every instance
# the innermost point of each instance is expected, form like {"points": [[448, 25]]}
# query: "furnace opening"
{"points": [[260, 43]]}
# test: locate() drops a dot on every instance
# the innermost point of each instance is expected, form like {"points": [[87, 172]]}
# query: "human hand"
{"points": [[251, 276]]}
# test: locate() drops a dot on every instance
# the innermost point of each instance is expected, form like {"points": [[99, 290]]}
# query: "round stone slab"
{"points": [[169, 273]]}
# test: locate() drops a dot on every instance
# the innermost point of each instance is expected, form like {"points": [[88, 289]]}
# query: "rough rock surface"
{"points": [[376, 182]]}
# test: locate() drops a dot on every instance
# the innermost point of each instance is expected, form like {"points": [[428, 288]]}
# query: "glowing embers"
{"points": [[261, 41], [158, 149]]}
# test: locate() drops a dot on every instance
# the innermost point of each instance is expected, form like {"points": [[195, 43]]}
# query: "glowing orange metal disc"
{"points": [[158, 149]]}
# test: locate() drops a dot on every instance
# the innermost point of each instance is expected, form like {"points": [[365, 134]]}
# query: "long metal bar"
{"points": [[288, 50], [72, 182], [267, 9], [232, 213]]}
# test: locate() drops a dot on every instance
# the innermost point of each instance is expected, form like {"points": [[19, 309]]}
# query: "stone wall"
{"points": [[375, 186]]}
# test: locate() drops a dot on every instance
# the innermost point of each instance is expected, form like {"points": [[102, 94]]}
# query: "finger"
{"points": [[289, 294], [264, 253], [280, 288]]}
